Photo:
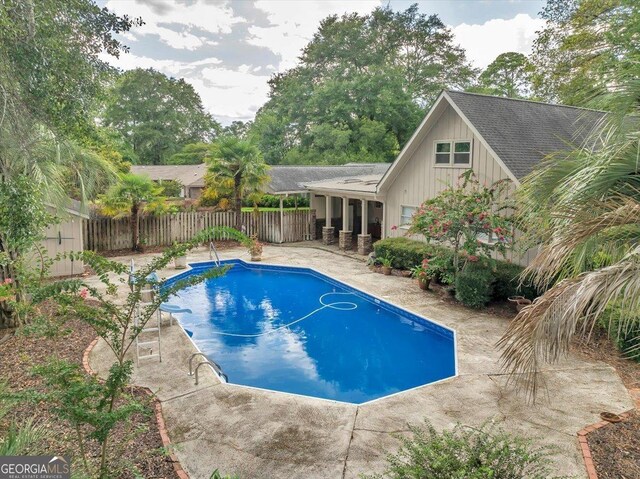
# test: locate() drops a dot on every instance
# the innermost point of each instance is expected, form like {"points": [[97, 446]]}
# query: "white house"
{"points": [[499, 138]]}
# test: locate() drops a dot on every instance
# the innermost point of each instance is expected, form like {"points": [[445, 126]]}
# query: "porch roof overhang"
{"points": [[363, 187]]}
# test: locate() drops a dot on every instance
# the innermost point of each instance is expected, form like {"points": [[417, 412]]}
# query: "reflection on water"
{"points": [[352, 351]]}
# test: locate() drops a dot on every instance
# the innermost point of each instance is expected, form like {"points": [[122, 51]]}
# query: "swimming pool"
{"points": [[298, 331]]}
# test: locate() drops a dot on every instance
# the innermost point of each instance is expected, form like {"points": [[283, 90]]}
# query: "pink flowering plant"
{"points": [[462, 217], [422, 272], [7, 291]]}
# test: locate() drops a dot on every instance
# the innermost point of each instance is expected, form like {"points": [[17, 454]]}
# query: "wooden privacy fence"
{"points": [[109, 234]]}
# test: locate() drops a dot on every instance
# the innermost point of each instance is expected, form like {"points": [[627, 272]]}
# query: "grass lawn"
{"points": [[250, 208]]}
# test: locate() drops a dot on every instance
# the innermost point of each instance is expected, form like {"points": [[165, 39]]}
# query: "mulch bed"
{"points": [[136, 444], [615, 449]]}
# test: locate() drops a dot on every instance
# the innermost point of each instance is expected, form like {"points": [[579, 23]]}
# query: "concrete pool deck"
{"points": [[262, 434]]}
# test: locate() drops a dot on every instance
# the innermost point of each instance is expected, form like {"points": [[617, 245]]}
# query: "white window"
{"points": [[443, 152], [406, 213], [453, 153]]}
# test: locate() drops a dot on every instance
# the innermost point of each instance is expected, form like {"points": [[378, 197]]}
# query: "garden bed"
{"points": [[139, 444], [615, 448]]}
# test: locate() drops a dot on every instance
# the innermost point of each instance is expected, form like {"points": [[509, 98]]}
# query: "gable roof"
{"points": [[517, 133], [522, 132], [292, 179], [187, 175]]}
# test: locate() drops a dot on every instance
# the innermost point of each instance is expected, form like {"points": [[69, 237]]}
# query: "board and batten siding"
{"points": [[420, 179]]}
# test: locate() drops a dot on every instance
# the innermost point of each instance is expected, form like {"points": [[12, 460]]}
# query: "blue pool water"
{"points": [[298, 331]]}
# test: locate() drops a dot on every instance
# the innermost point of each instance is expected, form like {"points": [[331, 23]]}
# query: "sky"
{"points": [[228, 50]]}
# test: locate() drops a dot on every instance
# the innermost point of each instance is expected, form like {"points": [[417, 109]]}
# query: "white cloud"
{"points": [[232, 93], [293, 24], [177, 25], [485, 42]]}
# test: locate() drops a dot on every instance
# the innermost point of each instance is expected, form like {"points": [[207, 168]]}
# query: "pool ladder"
{"points": [[213, 251], [212, 364]]}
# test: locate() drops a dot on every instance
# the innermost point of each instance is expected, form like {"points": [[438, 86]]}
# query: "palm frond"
{"points": [[541, 332]]}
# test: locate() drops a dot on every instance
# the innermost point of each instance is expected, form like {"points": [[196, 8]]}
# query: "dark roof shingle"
{"points": [[293, 178], [522, 132]]}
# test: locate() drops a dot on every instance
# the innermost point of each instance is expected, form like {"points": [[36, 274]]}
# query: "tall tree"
{"points": [[360, 88], [52, 51], [509, 75], [131, 193], [583, 47], [51, 71], [239, 164], [157, 115], [191, 154]]}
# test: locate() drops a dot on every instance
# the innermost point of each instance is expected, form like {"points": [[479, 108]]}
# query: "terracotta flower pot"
{"points": [[256, 258], [610, 417], [513, 300], [386, 270], [520, 303], [424, 284]]}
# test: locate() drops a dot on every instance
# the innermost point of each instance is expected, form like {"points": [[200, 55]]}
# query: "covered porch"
{"points": [[348, 210]]}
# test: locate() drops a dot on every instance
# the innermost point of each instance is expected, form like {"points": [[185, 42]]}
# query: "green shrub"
{"points": [[470, 453], [406, 253], [474, 286], [273, 201], [627, 338], [507, 281]]}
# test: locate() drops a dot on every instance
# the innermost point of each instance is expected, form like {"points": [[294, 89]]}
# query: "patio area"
{"points": [[256, 433]]}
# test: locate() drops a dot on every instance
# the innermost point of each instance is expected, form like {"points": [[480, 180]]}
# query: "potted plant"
{"points": [[255, 248], [386, 263], [422, 273], [519, 302], [180, 261]]}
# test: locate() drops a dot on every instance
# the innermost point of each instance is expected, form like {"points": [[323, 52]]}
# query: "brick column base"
{"points": [[345, 240], [364, 244], [327, 235]]}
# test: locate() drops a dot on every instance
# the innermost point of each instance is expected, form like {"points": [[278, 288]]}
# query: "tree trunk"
{"points": [[135, 232], [7, 313], [237, 192]]}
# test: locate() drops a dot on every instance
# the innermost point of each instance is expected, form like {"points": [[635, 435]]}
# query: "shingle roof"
{"points": [[187, 175], [523, 132], [293, 178]]}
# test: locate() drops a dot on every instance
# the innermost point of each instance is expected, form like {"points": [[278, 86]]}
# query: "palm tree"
{"points": [[586, 208], [239, 164], [37, 168], [131, 193]]}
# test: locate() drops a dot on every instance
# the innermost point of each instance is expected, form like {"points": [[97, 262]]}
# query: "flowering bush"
{"points": [[460, 217]]}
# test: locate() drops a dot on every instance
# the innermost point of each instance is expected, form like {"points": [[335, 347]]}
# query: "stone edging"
{"points": [[162, 428], [582, 436]]}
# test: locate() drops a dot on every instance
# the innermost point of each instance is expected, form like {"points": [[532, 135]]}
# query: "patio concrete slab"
{"points": [[257, 433]]}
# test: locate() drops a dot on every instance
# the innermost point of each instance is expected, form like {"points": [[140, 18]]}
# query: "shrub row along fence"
{"points": [[110, 234]]}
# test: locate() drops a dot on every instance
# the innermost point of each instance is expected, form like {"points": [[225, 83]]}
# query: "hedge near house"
{"points": [[500, 279]]}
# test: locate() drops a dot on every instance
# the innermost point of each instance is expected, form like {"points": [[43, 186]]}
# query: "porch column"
{"points": [[364, 239], [345, 241], [327, 229], [383, 231], [281, 221]]}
